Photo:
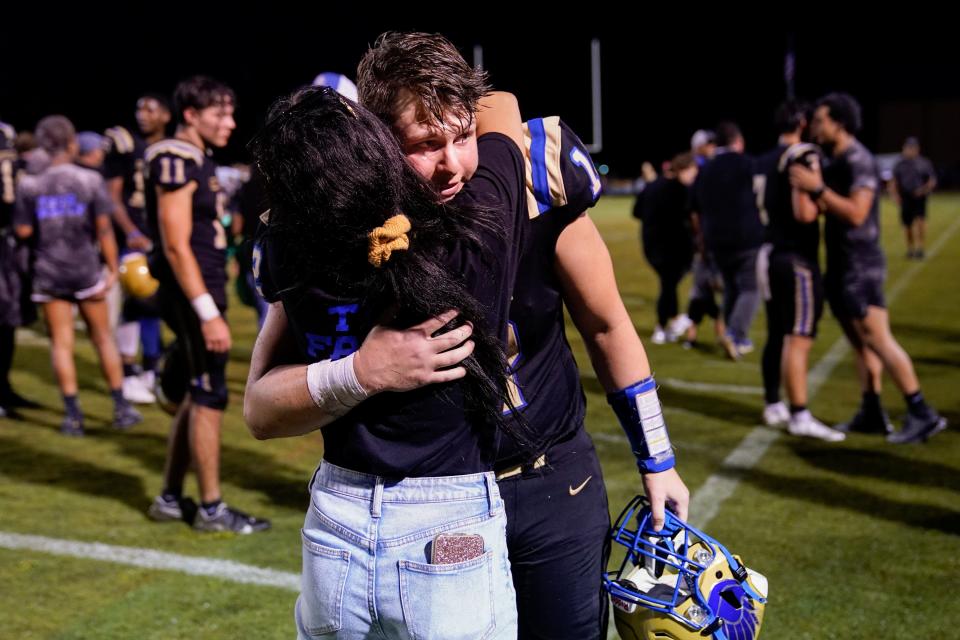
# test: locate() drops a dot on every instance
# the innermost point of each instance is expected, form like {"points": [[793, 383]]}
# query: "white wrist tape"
{"points": [[205, 308], [334, 382]]}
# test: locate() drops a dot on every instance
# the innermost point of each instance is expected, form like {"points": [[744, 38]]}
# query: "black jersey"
{"points": [[125, 160], [173, 164], [788, 234]]}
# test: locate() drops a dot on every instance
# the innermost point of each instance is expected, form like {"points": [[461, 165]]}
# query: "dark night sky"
{"points": [[662, 78]]}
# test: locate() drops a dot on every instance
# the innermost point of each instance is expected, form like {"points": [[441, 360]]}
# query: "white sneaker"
{"points": [[134, 391], [149, 379], [776, 414], [804, 424], [659, 335], [677, 327]]}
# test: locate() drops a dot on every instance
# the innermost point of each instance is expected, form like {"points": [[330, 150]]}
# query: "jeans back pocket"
{"points": [[449, 601], [322, 581]]}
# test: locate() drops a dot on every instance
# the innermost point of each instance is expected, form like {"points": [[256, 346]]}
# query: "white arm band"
{"points": [[205, 308], [334, 382]]}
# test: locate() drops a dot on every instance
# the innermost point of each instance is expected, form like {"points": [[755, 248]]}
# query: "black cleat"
{"points": [[72, 426], [226, 518], [918, 429], [125, 416], [861, 423]]}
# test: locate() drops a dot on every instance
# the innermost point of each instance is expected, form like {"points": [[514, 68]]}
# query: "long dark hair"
{"points": [[333, 172]]}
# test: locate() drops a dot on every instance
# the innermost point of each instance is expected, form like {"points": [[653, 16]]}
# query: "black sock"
{"points": [[130, 370], [210, 507], [870, 404], [72, 406], [118, 399], [172, 495], [916, 405], [150, 363], [797, 408]]}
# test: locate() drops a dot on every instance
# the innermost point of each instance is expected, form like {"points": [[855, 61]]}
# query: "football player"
{"points": [[846, 189], [555, 498], [124, 171], [184, 206], [796, 287]]}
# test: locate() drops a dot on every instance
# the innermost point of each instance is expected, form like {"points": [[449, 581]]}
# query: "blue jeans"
{"points": [[366, 559]]}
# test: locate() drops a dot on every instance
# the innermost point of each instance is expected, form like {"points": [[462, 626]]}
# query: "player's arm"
{"points": [[287, 398], [118, 161], [175, 215], [590, 291], [24, 216], [277, 402], [853, 210], [804, 208], [135, 239], [108, 247], [499, 112], [103, 206]]}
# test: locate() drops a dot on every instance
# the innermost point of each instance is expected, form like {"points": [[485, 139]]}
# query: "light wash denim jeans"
{"points": [[366, 559]]}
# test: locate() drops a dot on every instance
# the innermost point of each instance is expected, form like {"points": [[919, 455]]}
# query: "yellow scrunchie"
{"points": [[392, 236]]}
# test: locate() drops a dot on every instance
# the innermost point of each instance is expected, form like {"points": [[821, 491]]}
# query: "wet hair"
{"points": [[333, 172], [426, 66]]}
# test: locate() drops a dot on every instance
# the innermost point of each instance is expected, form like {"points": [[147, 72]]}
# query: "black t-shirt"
{"points": [[788, 234], [545, 382], [425, 432], [723, 195], [851, 246], [663, 208], [62, 204], [911, 174], [171, 165]]}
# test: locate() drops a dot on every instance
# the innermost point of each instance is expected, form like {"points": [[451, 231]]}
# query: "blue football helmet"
{"points": [[679, 583]]}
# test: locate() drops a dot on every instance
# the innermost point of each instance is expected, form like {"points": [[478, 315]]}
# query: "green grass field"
{"points": [[859, 539]]}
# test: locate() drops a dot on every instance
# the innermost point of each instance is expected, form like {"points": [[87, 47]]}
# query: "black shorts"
{"points": [[911, 209], [851, 290], [557, 526], [206, 370], [796, 292]]}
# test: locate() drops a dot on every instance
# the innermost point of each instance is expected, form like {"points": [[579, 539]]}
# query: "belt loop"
{"points": [[377, 502], [491, 482], [313, 478]]}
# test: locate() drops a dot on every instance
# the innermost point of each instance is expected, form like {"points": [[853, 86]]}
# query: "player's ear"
{"points": [[191, 116]]}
